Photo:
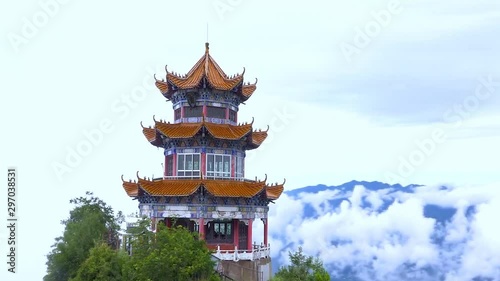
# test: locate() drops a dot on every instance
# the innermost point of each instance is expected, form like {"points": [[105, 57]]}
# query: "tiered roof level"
{"points": [[203, 186]]}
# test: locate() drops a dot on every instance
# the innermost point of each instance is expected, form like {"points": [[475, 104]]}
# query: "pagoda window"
{"points": [[169, 169], [239, 173], [188, 164], [232, 115], [193, 111], [216, 112], [177, 114], [218, 165], [219, 232]]}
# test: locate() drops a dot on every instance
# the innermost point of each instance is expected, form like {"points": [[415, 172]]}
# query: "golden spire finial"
{"points": [[206, 57], [207, 36]]}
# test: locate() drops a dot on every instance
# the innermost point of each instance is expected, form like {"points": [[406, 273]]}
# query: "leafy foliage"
{"points": [[89, 249], [302, 268], [90, 223], [103, 264], [169, 254]]}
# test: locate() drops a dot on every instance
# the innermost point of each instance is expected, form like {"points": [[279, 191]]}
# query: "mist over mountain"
{"points": [[377, 231]]}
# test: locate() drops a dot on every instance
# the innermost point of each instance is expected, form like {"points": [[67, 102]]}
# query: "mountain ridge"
{"points": [[370, 185]]}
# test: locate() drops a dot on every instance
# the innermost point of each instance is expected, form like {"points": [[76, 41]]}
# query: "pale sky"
{"points": [[394, 91]]}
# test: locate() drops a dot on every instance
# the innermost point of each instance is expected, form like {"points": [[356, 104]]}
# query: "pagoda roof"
{"points": [[216, 187], [189, 130], [206, 69], [259, 136], [274, 190]]}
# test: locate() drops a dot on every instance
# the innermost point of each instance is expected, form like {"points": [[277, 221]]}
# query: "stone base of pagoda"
{"points": [[245, 270], [257, 252]]}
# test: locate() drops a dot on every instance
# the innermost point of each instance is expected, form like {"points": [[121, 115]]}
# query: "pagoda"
{"points": [[203, 186]]}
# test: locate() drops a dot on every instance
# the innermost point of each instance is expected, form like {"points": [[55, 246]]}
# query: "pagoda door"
{"points": [[243, 236]]}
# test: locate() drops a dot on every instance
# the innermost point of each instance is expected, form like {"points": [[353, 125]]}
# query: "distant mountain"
{"points": [[349, 186]]}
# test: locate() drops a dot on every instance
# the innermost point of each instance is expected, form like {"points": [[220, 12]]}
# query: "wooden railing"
{"points": [[257, 252], [204, 177]]}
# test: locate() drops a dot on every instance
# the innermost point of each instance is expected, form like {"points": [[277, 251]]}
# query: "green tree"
{"points": [[90, 223], [169, 254], [302, 268], [103, 264], [89, 249]]}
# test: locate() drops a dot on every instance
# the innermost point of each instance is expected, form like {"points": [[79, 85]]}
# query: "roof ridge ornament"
{"points": [[206, 58], [265, 179]]}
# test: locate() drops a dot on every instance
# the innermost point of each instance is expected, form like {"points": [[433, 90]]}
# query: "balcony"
{"points": [[258, 252], [204, 177], [207, 119]]}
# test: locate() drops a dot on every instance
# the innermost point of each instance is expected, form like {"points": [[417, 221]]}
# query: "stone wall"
{"points": [[244, 270]]}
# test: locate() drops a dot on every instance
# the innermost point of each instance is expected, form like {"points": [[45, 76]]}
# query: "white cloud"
{"points": [[398, 241], [482, 251]]}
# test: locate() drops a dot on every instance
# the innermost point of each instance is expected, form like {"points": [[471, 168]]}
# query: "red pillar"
{"points": [[266, 223], [205, 110], [182, 111], [203, 162], [174, 172], [168, 222], [236, 231], [233, 166], [201, 228], [250, 238], [166, 167]]}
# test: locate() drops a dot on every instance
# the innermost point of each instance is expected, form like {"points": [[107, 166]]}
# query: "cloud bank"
{"points": [[423, 233]]}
